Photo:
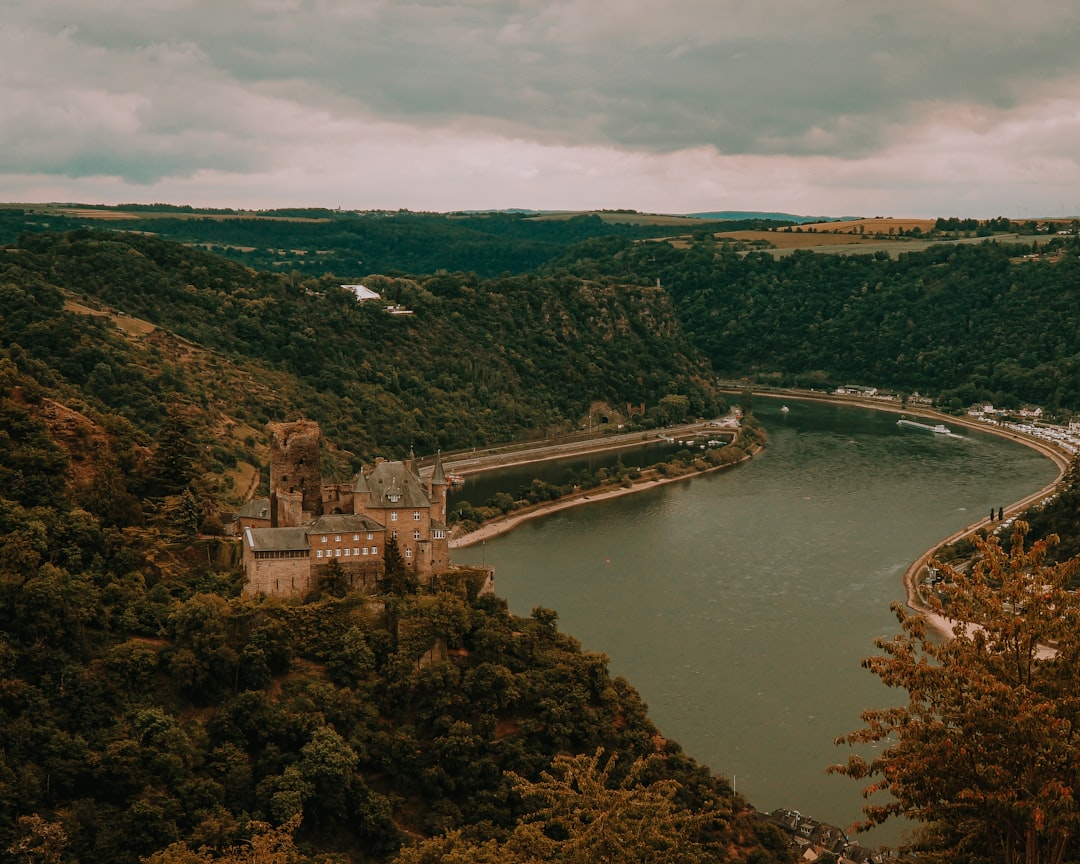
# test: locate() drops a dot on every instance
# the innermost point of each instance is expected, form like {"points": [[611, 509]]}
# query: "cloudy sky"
{"points": [[829, 107]]}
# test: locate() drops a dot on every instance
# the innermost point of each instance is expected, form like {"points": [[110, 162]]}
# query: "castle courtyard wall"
{"points": [[278, 577]]}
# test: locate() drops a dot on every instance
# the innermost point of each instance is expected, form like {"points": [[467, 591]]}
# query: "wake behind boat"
{"points": [[937, 429]]}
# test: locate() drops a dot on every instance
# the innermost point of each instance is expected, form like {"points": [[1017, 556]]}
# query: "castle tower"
{"points": [[437, 487], [361, 493], [294, 470]]}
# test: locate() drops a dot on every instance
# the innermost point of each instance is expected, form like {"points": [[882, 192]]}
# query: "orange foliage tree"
{"points": [[986, 753]]}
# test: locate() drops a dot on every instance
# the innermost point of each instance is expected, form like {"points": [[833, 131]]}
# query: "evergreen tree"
{"points": [[173, 464], [397, 578]]}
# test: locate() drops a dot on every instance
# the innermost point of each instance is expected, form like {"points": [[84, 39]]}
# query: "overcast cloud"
{"points": [[837, 107]]}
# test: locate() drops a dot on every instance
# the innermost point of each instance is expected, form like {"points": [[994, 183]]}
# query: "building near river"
{"points": [[319, 529]]}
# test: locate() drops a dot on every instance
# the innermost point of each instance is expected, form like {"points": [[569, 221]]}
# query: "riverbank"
{"points": [[503, 524], [913, 574]]}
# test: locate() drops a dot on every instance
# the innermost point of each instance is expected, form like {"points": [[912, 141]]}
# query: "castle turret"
{"points": [[361, 493], [437, 488]]}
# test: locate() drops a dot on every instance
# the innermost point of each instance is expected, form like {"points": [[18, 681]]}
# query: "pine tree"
{"points": [[173, 463]]}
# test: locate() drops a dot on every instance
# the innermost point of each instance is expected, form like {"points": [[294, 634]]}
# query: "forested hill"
{"points": [[962, 323], [317, 241], [150, 712], [477, 361]]}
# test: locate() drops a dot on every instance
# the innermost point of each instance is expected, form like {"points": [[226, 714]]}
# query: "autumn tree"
{"points": [[986, 751], [582, 813]]}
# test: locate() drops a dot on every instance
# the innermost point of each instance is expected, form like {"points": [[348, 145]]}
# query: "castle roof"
{"points": [[343, 523], [438, 476], [392, 484], [276, 539], [256, 508]]}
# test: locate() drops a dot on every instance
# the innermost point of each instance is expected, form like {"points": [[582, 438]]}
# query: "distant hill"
{"points": [[731, 215]]}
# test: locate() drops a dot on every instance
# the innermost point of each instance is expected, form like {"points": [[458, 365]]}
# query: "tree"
{"points": [[40, 842], [268, 845], [173, 463], [581, 813], [397, 578], [986, 752]]}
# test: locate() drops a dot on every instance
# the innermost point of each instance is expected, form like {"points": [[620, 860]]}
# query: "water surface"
{"points": [[739, 604]]}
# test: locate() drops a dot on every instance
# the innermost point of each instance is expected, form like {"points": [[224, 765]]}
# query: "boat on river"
{"points": [[937, 429]]}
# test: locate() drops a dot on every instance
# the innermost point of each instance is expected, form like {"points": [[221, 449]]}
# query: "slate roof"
{"points": [[256, 508], [392, 484], [438, 476], [276, 539], [343, 523]]}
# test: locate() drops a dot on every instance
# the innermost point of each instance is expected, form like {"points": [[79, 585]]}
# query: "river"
{"points": [[740, 604]]}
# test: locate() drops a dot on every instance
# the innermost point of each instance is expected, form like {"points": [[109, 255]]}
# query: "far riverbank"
{"points": [[914, 572], [911, 578], [502, 524]]}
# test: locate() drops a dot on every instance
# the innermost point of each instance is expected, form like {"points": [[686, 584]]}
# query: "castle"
{"points": [[293, 540]]}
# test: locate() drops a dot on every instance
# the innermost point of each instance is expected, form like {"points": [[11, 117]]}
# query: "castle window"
{"points": [[374, 551], [318, 554], [393, 535], [408, 553], [370, 536], [365, 550], [337, 538], [346, 551], [393, 515], [415, 515], [323, 538], [416, 534], [355, 537], [356, 550], [438, 534]]}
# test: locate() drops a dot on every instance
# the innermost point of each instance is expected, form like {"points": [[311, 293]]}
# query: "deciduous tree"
{"points": [[986, 750]]}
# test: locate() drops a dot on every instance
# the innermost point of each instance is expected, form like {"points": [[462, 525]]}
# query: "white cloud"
{"points": [[687, 105]]}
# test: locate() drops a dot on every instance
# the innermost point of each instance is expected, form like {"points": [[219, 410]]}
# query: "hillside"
{"points": [[131, 324], [353, 245], [988, 321], [147, 708]]}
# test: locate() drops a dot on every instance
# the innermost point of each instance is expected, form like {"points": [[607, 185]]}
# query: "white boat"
{"points": [[938, 429]]}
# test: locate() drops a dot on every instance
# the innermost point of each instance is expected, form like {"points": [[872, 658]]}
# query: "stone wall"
{"points": [[278, 577]]}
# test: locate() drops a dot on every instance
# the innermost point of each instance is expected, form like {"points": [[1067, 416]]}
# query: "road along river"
{"points": [[740, 603]]}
